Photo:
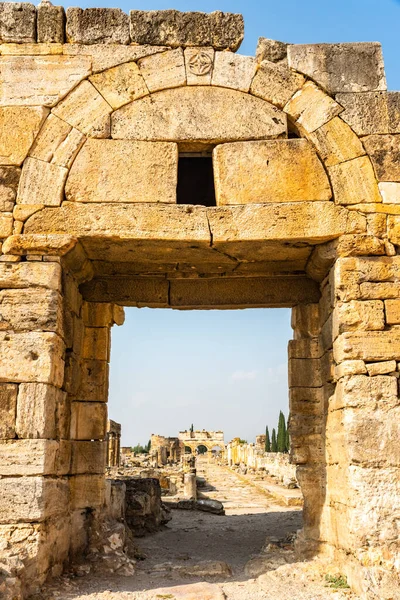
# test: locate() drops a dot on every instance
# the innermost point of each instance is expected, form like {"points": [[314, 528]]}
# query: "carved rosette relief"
{"points": [[200, 63]]}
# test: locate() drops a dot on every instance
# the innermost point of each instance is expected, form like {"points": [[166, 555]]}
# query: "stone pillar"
{"points": [[189, 486], [344, 421], [363, 422], [35, 451], [54, 352]]}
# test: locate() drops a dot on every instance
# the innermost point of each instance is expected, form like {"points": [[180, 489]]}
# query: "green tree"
{"points": [[287, 440], [148, 446], [191, 428], [281, 438], [267, 441], [274, 446]]}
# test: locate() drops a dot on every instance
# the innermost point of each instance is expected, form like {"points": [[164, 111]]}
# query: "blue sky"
{"points": [[227, 369]]}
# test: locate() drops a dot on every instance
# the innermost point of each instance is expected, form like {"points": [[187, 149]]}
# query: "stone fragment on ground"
{"points": [[196, 591], [206, 568]]}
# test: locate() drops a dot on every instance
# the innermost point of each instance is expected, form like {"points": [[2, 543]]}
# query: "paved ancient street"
{"points": [[244, 555]]}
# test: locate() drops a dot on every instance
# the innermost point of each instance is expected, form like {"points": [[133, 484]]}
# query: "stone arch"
{"points": [[345, 239]]}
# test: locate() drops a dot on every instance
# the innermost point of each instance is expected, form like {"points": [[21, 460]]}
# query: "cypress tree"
{"points": [[287, 440], [281, 439], [274, 446], [267, 441]]}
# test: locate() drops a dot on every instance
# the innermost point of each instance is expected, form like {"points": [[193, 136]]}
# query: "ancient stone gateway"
{"points": [[95, 141], [195, 439]]}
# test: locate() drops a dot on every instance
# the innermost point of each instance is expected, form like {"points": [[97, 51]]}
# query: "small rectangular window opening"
{"points": [[196, 180]]}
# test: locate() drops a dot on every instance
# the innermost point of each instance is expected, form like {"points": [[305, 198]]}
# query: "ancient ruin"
{"points": [[108, 124], [193, 440], [113, 437]]}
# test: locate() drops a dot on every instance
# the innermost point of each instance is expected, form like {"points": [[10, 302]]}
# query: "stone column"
{"points": [[189, 486]]}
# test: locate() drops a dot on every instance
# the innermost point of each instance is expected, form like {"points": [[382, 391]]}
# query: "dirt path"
{"points": [[229, 552]]}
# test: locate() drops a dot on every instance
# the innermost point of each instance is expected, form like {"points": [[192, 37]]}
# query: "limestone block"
{"points": [[271, 50], [19, 126], [40, 410], [88, 420], [30, 49], [207, 115], [354, 182], [163, 70], [315, 222], [350, 367], [34, 245], [336, 142], [57, 143], [9, 179], [87, 491], [88, 457], [97, 314], [124, 171], [358, 315], [22, 310], [97, 25], [85, 109], [118, 314], [6, 224], [354, 67], [306, 400], [233, 71], [392, 310], [50, 23], [390, 192], [105, 56], [199, 65], [275, 83], [120, 85], [32, 357], [8, 409], [371, 112], [393, 225], [247, 292], [227, 30], [34, 457], [170, 28], [27, 499], [305, 348], [173, 28], [362, 391], [96, 343], [381, 368], [40, 80], [311, 107], [25, 274], [17, 22], [372, 290], [305, 320], [268, 171], [41, 183], [305, 372], [94, 383], [130, 291], [376, 223], [368, 345], [384, 151]]}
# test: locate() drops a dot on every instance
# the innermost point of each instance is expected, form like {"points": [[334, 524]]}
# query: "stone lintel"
{"points": [[207, 293]]}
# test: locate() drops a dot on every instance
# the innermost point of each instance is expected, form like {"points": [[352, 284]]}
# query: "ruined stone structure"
{"points": [[254, 457], [208, 439], [113, 444], [166, 449], [99, 208]]}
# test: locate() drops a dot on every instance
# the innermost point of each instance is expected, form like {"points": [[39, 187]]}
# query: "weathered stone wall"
{"points": [[249, 455], [304, 143], [113, 444]]}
